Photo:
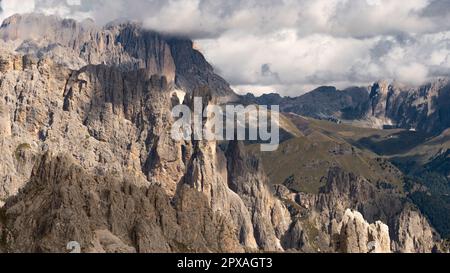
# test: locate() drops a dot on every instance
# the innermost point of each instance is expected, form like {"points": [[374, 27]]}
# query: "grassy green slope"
{"points": [[302, 162]]}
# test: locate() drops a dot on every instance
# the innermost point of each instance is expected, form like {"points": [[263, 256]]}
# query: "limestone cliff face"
{"points": [[111, 117], [130, 114], [240, 194], [87, 156], [380, 96], [270, 217], [423, 108], [67, 83], [125, 45]]}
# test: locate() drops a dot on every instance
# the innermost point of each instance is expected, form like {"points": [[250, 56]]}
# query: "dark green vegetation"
{"points": [[430, 191]]}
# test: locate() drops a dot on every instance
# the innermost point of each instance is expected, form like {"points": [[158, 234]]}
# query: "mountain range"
{"points": [[85, 120]]}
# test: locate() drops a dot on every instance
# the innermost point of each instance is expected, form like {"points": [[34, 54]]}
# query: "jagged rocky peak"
{"points": [[358, 236], [124, 44], [338, 218], [113, 121], [379, 90]]}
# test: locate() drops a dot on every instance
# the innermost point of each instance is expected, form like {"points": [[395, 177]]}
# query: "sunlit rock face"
{"points": [[358, 236]]}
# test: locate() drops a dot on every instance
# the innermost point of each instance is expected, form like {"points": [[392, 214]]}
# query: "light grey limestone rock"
{"points": [[358, 236], [414, 233]]}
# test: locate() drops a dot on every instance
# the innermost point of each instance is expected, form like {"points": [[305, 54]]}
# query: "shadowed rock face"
{"points": [[247, 178], [62, 202], [87, 156]]}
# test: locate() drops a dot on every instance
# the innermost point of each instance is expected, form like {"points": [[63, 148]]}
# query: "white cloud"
{"points": [[12, 7], [290, 45], [304, 62]]}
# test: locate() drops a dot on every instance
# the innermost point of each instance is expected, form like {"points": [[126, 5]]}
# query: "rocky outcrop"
{"points": [[241, 195], [270, 218], [63, 203], [413, 233], [118, 116], [174, 168], [358, 236], [206, 173], [5, 121], [107, 100], [379, 95], [324, 222]]}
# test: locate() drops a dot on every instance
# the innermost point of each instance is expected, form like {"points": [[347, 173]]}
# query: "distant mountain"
{"points": [[383, 105], [323, 102]]}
